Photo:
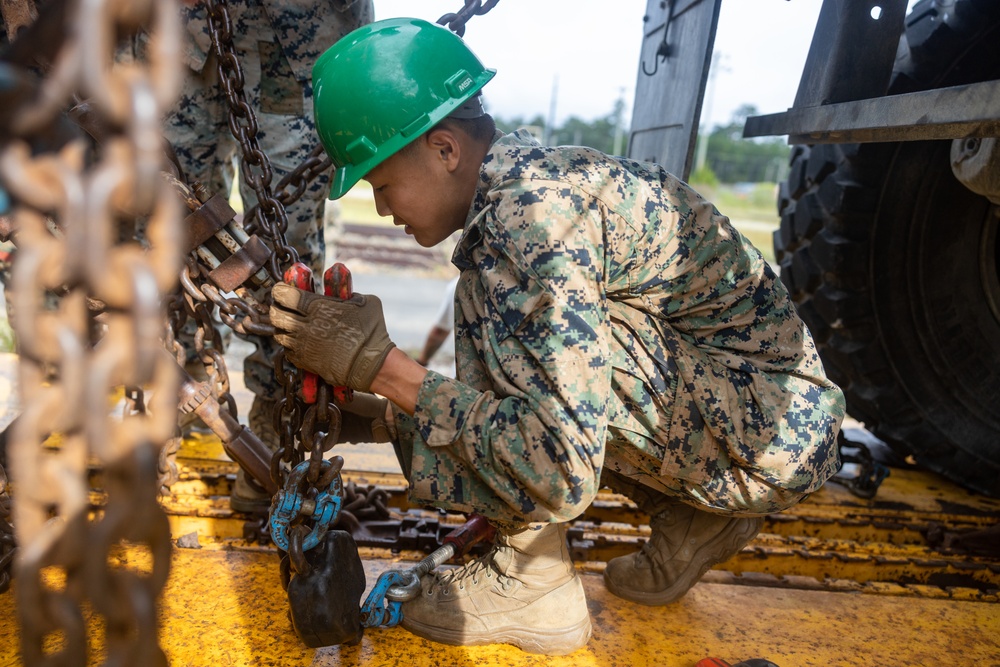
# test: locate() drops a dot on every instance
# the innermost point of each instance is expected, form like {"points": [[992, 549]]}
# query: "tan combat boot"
{"points": [[685, 542], [524, 592], [247, 497]]}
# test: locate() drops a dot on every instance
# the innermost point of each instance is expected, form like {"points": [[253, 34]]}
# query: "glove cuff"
{"points": [[367, 365]]}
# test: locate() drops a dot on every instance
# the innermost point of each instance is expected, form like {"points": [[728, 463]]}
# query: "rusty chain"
{"points": [[456, 21], [8, 544], [102, 330], [255, 167], [292, 418]]}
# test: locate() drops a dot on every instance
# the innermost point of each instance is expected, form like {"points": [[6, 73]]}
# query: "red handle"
{"points": [[337, 283], [301, 276], [473, 531]]}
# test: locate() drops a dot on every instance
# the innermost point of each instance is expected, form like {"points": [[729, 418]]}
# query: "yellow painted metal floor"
{"points": [[224, 605], [226, 608]]}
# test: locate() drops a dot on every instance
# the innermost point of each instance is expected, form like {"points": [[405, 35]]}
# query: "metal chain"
{"points": [[74, 214], [246, 314], [8, 544], [255, 167], [291, 188], [456, 21]]}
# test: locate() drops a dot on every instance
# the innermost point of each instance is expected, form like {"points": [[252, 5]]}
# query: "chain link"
{"points": [[8, 544], [88, 301], [255, 168], [456, 21], [291, 188]]}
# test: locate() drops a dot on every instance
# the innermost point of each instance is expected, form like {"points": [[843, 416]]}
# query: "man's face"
{"points": [[421, 193]]}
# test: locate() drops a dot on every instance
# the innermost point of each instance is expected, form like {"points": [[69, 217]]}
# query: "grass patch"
{"points": [[6, 336], [751, 207]]}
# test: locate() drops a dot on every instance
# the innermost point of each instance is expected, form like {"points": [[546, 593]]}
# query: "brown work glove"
{"points": [[366, 418], [344, 342]]}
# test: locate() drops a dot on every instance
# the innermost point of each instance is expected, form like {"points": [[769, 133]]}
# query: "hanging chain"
{"points": [[456, 21], [255, 167], [89, 320], [7, 542], [246, 313], [291, 188]]}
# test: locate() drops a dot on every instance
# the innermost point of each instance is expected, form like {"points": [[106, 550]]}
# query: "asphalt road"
{"points": [[411, 304]]}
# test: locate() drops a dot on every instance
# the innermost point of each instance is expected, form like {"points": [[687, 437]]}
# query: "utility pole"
{"points": [[706, 113], [619, 119], [550, 124]]}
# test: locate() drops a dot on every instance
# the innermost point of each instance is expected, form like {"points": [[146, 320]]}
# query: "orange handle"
{"points": [[337, 282], [301, 276]]}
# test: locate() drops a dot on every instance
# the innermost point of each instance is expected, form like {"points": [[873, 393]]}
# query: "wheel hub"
{"points": [[975, 162]]}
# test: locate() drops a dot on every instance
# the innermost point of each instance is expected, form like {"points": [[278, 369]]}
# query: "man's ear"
{"points": [[446, 146]]}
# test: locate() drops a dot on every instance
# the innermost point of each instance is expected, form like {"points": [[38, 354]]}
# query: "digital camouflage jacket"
{"points": [[607, 315]]}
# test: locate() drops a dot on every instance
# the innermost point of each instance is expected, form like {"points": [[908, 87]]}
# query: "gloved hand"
{"points": [[344, 342], [364, 420]]}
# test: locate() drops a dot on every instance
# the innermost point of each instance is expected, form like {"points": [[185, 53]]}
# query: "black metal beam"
{"points": [[851, 54], [945, 113]]}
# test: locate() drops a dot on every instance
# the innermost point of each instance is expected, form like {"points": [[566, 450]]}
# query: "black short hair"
{"points": [[479, 129]]}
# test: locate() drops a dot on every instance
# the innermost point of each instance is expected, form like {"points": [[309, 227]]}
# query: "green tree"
{"points": [[510, 124], [734, 159], [600, 133]]}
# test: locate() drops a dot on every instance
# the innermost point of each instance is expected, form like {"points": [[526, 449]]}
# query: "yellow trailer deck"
{"points": [[837, 580]]}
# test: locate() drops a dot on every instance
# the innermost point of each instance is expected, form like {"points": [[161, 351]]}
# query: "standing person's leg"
{"points": [[198, 132], [287, 135]]}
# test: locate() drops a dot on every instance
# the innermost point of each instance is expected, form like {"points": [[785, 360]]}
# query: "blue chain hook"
{"points": [[379, 609], [290, 503]]}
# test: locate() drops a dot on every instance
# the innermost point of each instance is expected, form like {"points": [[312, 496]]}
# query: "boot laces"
{"points": [[474, 570]]}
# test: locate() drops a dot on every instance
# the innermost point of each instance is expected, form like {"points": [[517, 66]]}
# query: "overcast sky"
{"points": [[592, 48]]}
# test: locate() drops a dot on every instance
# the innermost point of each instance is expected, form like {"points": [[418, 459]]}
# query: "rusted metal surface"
{"points": [[17, 15], [241, 444], [207, 219], [941, 113]]}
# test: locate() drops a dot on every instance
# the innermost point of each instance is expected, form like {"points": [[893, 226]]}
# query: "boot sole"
{"points": [[741, 531], [558, 641]]}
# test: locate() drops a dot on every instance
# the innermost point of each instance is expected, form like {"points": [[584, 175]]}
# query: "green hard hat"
{"points": [[385, 84]]}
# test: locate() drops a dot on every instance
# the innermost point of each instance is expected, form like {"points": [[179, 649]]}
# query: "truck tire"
{"points": [[893, 265]]}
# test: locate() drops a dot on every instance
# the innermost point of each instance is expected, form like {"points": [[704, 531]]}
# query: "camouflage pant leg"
{"points": [[692, 465], [287, 135], [756, 497], [198, 129]]}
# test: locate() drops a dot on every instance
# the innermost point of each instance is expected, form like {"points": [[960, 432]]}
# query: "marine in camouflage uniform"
{"points": [[611, 326], [607, 316], [277, 42]]}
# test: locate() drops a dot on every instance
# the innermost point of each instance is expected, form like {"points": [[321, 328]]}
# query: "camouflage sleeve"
{"points": [[535, 438]]}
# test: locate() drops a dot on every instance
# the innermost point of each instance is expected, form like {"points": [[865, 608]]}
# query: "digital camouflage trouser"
{"points": [[198, 128]]}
